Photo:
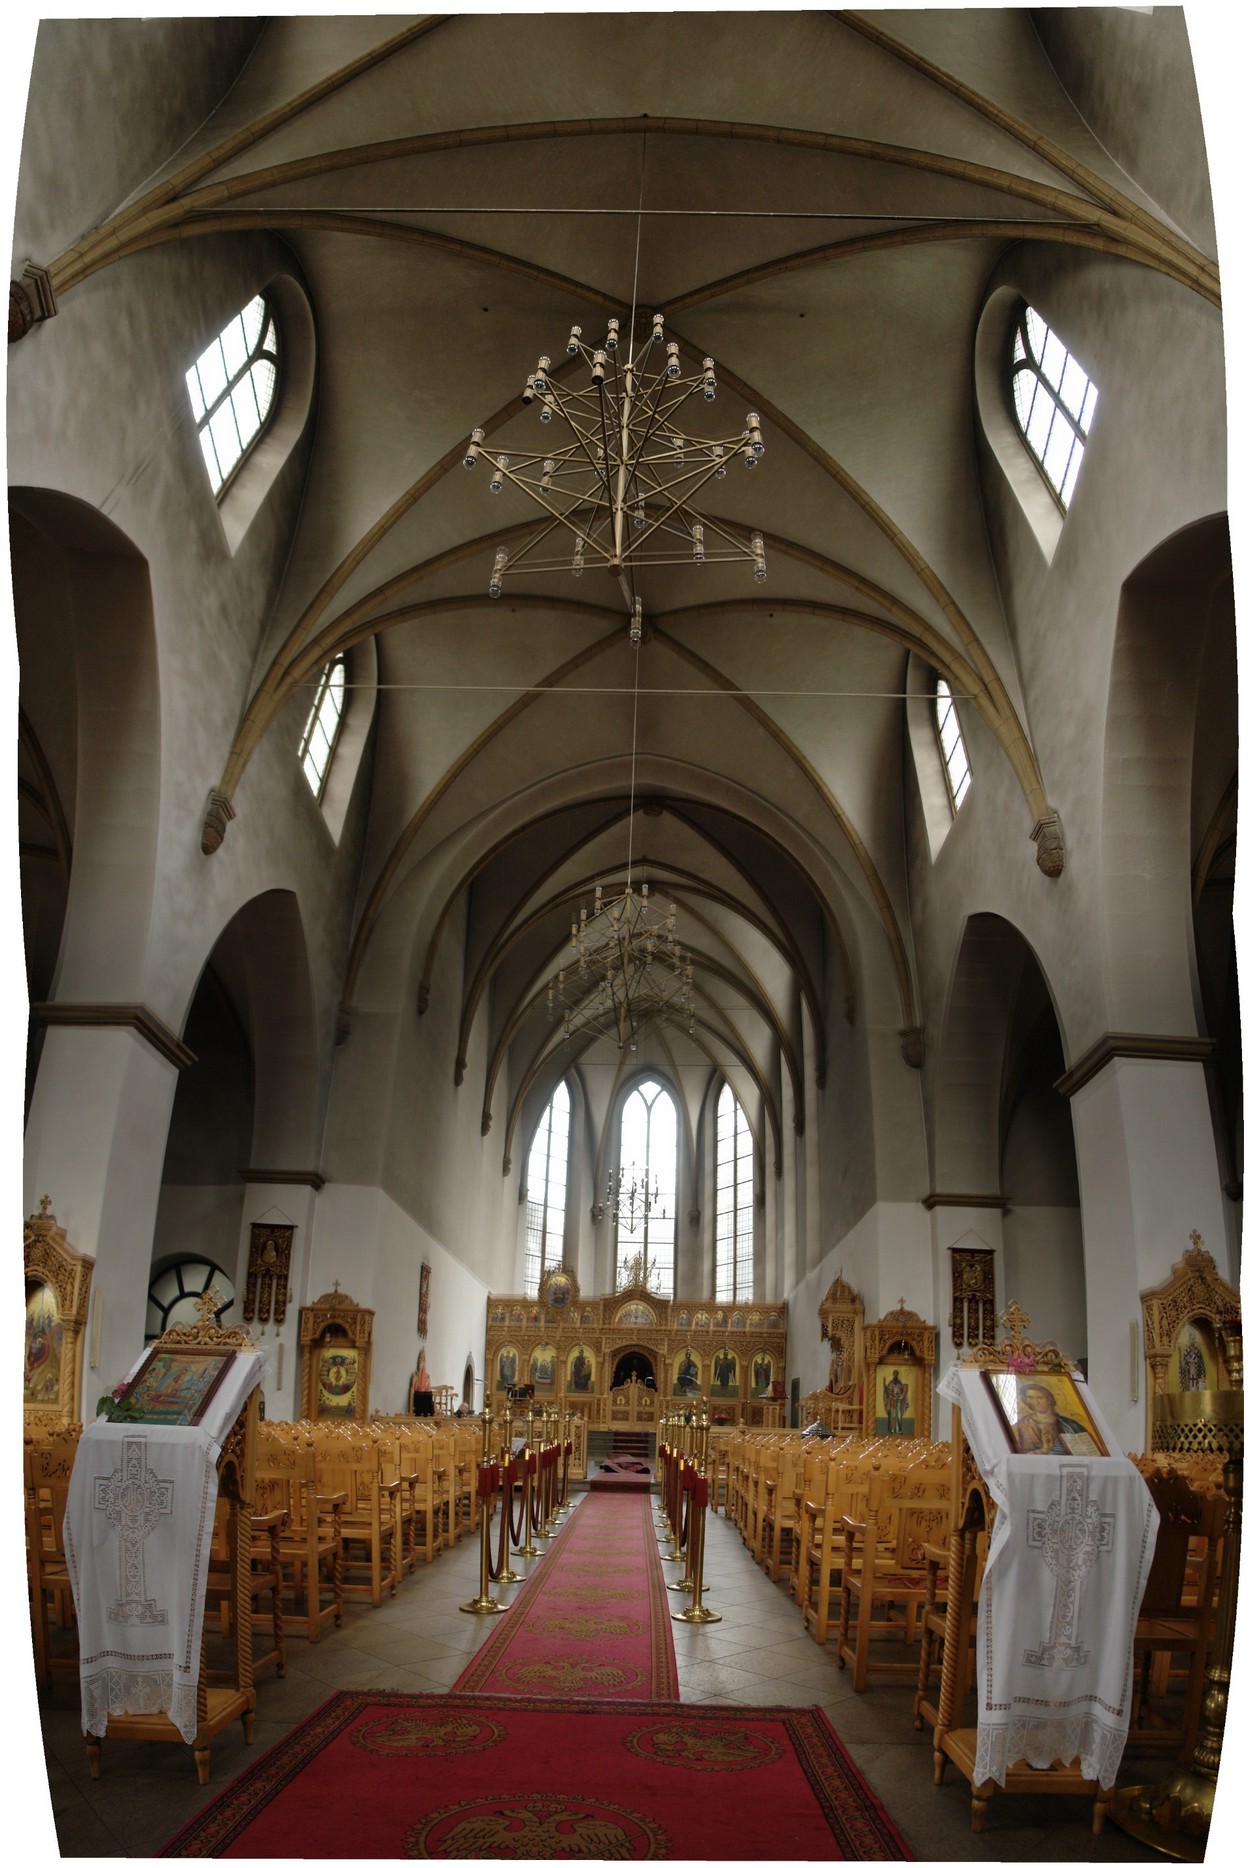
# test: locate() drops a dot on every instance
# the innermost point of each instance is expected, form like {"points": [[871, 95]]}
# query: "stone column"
{"points": [[95, 1142], [1149, 1177]]}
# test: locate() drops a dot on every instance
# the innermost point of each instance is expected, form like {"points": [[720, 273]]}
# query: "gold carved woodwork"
{"points": [[972, 1296], [336, 1351], [570, 1347], [1192, 1403], [58, 1291], [841, 1313], [268, 1273], [899, 1351]]}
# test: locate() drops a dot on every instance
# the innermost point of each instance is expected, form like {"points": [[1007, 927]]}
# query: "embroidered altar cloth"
{"points": [[138, 1533], [1064, 1579]]}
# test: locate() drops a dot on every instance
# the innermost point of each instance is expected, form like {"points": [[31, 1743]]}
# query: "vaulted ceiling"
{"points": [[816, 201]]}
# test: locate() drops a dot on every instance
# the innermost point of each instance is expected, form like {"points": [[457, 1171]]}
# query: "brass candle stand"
{"points": [[1174, 1815]]}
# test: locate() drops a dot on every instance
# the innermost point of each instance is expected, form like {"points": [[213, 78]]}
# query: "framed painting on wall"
{"points": [[725, 1376], [507, 1368], [337, 1370], [579, 1376], [543, 1368], [687, 1372], [896, 1390], [761, 1374]]}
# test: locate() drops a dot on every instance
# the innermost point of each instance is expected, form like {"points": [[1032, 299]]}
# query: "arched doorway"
{"points": [[636, 1363]]}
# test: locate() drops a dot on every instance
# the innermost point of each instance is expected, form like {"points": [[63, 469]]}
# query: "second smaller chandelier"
{"points": [[619, 473], [628, 967]]}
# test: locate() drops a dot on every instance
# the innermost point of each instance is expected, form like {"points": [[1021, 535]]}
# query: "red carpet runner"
{"points": [[417, 1776], [593, 1617]]}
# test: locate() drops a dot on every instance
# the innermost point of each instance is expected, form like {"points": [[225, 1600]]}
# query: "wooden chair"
{"points": [[1178, 1609], [884, 1568], [228, 1600], [310, 1542], [350, 1460], [48, 1461], [779, 1508]]}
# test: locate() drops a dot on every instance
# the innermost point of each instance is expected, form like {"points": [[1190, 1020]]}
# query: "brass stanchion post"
{"points": [[507, 1474], [484, 1603], [529, 1548], [690, 1479], [698, 1506]]}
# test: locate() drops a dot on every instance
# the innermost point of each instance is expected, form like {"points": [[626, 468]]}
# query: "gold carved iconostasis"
{"points": [[58, 1289], [336, 1348], [880, 1374], [632, 1354], [1191, 1328]]}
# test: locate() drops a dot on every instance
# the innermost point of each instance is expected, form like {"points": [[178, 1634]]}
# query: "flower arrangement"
{"points": [[106, 1402]]}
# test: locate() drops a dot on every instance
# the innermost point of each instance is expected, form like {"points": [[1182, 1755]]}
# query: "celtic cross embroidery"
{"points": [[1071, 1533], [133, 1501]]}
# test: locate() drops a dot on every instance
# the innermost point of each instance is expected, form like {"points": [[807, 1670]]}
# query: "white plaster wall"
{"points": [[884, 1257], [375, 1250]]}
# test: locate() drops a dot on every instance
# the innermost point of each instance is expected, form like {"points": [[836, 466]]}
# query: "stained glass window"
{"points": [[232, 388], [546, 1190], [735, 1203], [1054, 402]]}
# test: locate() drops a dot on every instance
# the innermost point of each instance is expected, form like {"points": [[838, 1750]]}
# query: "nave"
{"points": [[418, 1642]]}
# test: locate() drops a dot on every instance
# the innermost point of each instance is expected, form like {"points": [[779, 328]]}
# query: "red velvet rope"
{"points": [[495, 1565], [515, 1499]]}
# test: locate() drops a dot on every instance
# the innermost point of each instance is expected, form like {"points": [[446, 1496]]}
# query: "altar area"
{"points": [[622, 1359]]}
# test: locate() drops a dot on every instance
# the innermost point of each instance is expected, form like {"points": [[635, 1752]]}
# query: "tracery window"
{"points": [[546, 1190], [324, 720], [1054, 402], [954, 757], [232, 389], [174, 1292], [646, 1214], [735, 1202]]}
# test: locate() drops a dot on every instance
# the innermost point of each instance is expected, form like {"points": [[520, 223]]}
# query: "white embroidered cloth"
{"points": [[138, 1531], [1064, 1578]]}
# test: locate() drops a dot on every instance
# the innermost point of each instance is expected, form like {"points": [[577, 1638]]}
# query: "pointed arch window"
{"points": [[1053, 400], [232, 387], [735, 1202], [322, 729], [646, 1220], [951, 740], [547, 1190]]}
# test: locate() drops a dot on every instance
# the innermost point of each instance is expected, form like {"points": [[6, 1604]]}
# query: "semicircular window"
{"points": [[1053, 400], [174, 1294], [232, 387]]}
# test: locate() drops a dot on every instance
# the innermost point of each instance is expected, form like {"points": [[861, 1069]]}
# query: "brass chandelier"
{"points": [[619, 475], [627, 968]]}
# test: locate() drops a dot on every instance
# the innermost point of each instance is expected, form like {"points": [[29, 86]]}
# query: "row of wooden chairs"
{"points": [[339, 1510], [848, 1522]]}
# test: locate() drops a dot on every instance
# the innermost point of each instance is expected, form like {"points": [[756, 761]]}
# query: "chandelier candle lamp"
{"points": [[617, 475], [627, 967]]}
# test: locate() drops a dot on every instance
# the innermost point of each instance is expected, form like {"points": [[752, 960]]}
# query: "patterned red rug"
{"points": [[594, 1618], [419, 1776]]}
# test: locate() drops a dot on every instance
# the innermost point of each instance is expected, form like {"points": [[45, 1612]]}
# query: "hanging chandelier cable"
{"points": [[621, 476]]}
